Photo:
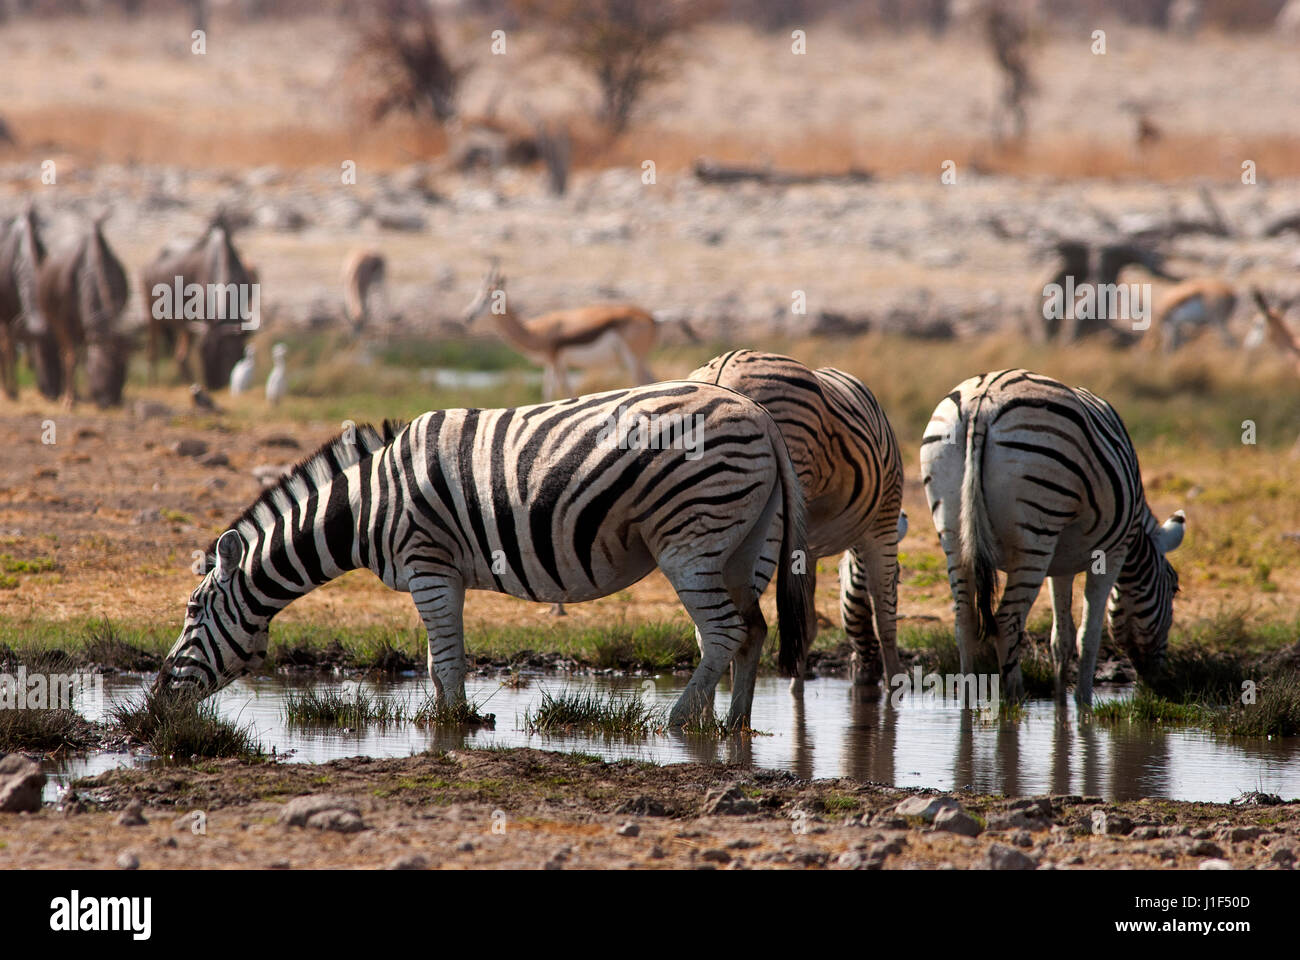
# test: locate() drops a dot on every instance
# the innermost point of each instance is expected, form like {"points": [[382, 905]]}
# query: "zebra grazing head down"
{"points": [[1027, 475], [559, 502], [227, 616], [1141, 607]]}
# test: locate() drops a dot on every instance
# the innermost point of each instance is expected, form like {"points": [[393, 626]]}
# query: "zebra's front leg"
{"points": [[1063, 638], [441, 602], [1096, 592]]}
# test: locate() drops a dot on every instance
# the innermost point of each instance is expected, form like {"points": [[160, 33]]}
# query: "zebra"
{"points": [[564, 501], [1066, 496], [851, 469]]}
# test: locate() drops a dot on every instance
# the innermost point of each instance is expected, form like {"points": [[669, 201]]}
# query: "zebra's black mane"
{"points": [[332, 458]]}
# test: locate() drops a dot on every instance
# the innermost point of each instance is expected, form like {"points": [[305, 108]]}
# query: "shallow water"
{"points": [[834, 731]]}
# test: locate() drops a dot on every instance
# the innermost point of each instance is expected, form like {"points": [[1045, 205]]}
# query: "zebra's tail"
{"points": [[978, 560], [794, 590]]}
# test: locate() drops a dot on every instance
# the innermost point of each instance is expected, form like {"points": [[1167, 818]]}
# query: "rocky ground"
{"points": [[532, 809]]}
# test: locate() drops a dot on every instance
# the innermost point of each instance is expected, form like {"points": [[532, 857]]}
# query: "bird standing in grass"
{"points": [[241, 377], [275, 383]]}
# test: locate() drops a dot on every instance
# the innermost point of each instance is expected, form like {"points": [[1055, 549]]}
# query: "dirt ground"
{"points": [[532, 809]]}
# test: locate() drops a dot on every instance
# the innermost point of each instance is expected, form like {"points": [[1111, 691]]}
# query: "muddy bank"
{"points": [[532, 809]]}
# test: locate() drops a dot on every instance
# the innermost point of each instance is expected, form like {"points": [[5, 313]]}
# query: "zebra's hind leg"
{"points": [[859, 620], [441, 602], [744, 669], [721, 628], [1023, 584], [1063, 637], [1096, 591], [965, 623]]}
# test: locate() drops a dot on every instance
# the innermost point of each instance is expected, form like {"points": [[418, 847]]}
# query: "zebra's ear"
{"points": [[1170, 534], [230, 553]]}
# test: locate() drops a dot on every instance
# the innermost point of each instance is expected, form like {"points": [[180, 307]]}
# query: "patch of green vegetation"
{"points": [[179, 727], [330, 708], [175, 516], [609, 713], [438, 713], [43, 730], [8, 581], [11, 564]]}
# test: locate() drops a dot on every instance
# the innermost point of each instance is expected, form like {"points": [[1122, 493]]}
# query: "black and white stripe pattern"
{"points": [[1027, 475], [546, 503], [851, 472]]}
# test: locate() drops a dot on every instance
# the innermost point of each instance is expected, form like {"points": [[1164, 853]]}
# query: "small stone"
{"points": [[1104, 823], [1214, 863], [214, 459], [1022, 838], [629, 829], [956, 820], [190, 447], [1284, 857], [927, 808], [133, 815], [715, 855], [1243, 834], [1205, 848], [323, 812], [465, 847], [730, 801], [412, 861], [1145, 833], [642, 806], [21, 784], [127, 860], [1002, 857]]}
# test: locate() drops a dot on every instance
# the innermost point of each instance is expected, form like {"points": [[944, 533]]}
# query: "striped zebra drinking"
{"points": [[1027, 475], [849, 465], [563, 501]]}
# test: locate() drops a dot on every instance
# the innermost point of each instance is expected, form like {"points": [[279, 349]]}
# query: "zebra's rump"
{"points": [[1057, 463], [842, 446]]}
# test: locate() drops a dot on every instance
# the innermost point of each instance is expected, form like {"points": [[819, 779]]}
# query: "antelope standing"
{"points": [[213, 263], [594, 336], [1190, 305], [81, 291], [364, 274], [1275, 329]]}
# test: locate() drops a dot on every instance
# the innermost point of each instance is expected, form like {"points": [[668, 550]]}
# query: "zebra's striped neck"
{"points": [[302, 532]]}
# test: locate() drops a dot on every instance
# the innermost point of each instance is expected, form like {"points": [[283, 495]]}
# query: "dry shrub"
{"points": [[401, 51], [626, 45]]}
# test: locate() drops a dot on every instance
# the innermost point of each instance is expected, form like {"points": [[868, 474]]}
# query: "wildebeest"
{"points": [[22, 251], [81, 291], [216, 317]]}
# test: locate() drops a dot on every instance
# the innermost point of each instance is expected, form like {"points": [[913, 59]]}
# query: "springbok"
{"points": [[214, 264], [21, 254], [1190, 305], [364, 274], [81, 291], [1277, 332], [585, 337]]}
